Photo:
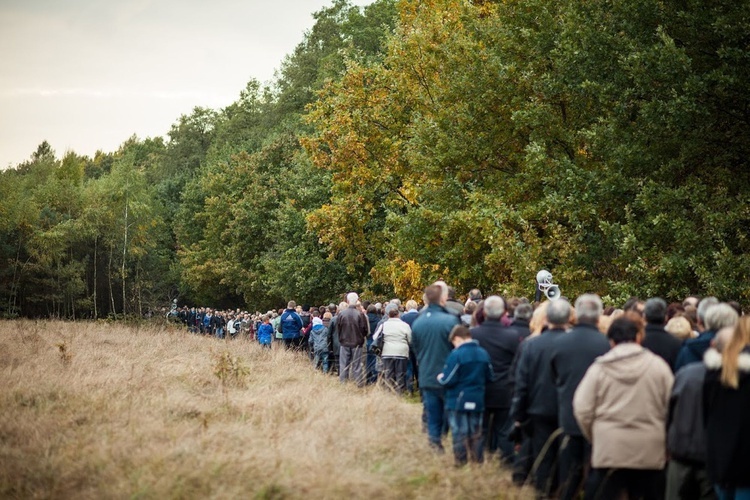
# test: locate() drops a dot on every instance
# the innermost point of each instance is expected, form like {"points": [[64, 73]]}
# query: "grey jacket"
{"points": [[686, 435]]}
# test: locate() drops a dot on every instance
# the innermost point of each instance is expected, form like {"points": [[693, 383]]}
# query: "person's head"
{"points": [[523, 312], [691, 300], [470, 307], [316, 313], [332, 308], [655, 311], [343, 306], [459, 335], [391, 310], [588, 309], [510, 306], [411, 305], [443, 291], [494, 307], [703, 307], [719, 316], [730, 358], [736, 306], [352, 298], [265, 318], [626, 328], [317, 321], [633, 304], [674, 309], [451, 293], [291, 305], [539, 318], [371, 309], [327, 315], [679, 327], [558, 313], [475, 295], [378, 307], [433, 294]]}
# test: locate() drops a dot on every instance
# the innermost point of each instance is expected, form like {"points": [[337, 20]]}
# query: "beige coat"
{"points": [[621, 405]]}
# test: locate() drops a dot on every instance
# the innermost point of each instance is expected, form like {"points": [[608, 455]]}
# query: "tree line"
{"points": [[407, 141]]}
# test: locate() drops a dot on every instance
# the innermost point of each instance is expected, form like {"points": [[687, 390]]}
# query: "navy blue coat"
{"points": [[291, 324], [466, 371]]}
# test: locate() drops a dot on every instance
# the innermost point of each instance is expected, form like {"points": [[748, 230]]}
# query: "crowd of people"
{"points": [[651, 400]]}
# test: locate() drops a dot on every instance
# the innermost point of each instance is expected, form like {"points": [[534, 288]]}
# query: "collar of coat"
{"points": [[712, 360]]}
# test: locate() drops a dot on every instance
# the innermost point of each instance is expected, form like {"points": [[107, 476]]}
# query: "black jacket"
{"points": [[686, 435], [572, 355], [726, 412], [662, 343], [535, 393], [501, 343], [522, 326]]}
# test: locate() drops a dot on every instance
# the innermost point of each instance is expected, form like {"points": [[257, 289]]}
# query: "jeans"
{"points": [[434, 406], [220, 333], [321, 360], [371, 364], [733, 494], [466, 434]]}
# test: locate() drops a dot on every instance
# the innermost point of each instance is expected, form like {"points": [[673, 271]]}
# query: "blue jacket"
{"points": [[467, 370], [693, 349], [319, 338], [429, 338], [291, 324], [265, 333]]}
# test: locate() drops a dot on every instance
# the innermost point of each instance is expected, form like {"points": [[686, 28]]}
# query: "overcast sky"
{"points": [[87, 74]]}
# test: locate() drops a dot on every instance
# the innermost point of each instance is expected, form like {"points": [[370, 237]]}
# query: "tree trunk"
{"points": [[96, 244], [124, 254]]}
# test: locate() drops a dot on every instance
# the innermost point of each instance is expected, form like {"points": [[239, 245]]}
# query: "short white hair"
{"points": [[494, 307], [352, 298]]}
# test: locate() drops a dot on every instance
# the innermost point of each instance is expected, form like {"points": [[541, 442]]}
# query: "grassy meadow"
{"points": [[98, 410]]}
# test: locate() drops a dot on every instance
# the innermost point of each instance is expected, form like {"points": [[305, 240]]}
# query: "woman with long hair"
{"points": [[726, 411]]}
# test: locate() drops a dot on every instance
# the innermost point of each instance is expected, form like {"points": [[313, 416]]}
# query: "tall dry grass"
{"points": [[92, 410]]}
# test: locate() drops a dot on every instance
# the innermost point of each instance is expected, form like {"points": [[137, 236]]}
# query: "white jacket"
{"points": [[397, 338]]}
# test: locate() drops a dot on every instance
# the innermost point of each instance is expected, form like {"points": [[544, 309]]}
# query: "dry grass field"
{"points": [[97, 410]]}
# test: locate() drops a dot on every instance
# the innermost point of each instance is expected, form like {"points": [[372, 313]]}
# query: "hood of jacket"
{"points": [[625, 362], [713, 360]]}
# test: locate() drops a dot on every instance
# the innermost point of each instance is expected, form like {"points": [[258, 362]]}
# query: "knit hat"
{"points": [[317, 321]]}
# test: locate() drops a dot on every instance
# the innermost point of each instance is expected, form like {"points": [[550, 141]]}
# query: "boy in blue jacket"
{"points": [[467, 370], [265, 332]]}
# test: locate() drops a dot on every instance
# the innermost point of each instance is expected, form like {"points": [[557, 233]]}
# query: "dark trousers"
{"points": [[575, 455], [605, 484], [434, 409], [544, 450], [688, 481], [394, 373], [497, 426]]}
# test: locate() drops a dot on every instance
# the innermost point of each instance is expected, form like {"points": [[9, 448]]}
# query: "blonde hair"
{"points": [[679, 327], [730, 374], [539, 318]]}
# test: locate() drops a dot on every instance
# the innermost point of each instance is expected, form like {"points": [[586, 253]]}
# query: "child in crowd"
{"points": [[467, 370], [319, 342], [265, 332]]}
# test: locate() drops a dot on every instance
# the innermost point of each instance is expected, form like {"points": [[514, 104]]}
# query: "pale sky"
{"points": [[87, 74]]}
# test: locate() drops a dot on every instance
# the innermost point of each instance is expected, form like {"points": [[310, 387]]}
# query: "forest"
{"points": [[405, 141]]}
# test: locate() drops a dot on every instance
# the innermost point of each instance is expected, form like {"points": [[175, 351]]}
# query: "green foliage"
{"points": [[475, 142]]}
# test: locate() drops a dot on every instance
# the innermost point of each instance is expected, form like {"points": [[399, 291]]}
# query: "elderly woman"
{"points": [[396, 340]]}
